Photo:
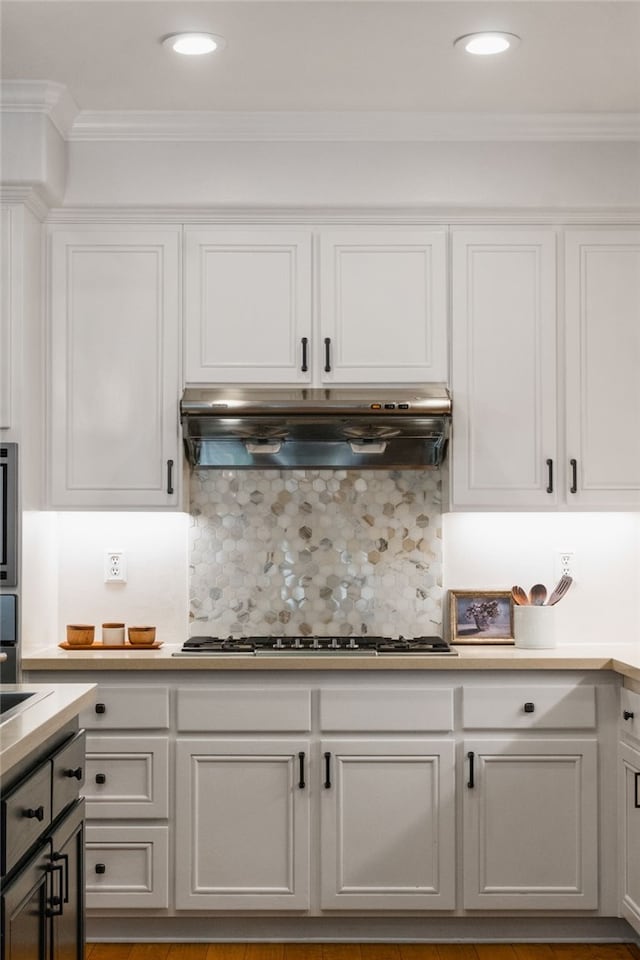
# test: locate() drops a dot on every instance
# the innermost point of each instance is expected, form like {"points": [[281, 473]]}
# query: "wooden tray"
{"points": [[111, 646]]}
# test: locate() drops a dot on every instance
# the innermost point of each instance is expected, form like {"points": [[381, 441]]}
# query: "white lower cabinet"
{"points": [[127, 867], [242, 815], [531, 824], [387, 824]]}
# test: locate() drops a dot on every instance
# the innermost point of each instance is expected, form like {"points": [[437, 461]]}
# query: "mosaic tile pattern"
{"points": [[315, 552]]}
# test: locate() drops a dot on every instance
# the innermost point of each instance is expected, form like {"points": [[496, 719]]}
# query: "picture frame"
{"points": [[481, 616]]}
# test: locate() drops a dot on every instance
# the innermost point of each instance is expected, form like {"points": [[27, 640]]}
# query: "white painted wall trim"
{"points": [[351, 126], [411, 214], [28, 196], [40, 96]]}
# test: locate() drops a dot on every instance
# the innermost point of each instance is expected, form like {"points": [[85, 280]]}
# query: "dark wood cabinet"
{"points": [[42, 891]]}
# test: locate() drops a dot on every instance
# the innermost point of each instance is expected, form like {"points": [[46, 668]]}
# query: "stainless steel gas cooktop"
{"points": [[315, 646]]}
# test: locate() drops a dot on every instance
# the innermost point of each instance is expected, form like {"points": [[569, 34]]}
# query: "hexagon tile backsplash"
{"points": [[315, 552]]}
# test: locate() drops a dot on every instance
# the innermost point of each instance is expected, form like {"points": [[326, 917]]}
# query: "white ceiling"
{"points": [[333, 55]]}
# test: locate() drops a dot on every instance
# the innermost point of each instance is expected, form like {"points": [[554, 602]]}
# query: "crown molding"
{"points": [[28, 197], [318, 216], [40, 96], [356, 126]]}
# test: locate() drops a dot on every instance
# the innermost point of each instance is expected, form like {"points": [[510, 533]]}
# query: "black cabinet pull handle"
{"points": [[37, 814], [77, 773], [101, 778], [55, 908], [471, 781], [301, 783], [628, 714], [327, 771], [65, 873], [101, 868], [169, 477], [327, 354], [549, 476], [529, 707], [574, 476], [637, 789], [305, 346], [101, 708]]}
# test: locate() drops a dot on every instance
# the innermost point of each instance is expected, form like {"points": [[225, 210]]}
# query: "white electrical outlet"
{"points": [[565, 563], [115, 567]]}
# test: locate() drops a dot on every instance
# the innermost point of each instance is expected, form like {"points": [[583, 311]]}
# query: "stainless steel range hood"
{"points": [[297, 428]]}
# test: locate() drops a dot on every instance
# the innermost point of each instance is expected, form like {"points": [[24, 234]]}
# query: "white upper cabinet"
{"points": [[504, 368], [383, 306], [247, 305], [114, 367], [251, 297], [603, 367]]}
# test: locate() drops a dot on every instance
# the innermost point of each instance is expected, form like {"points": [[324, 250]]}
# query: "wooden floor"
{"points": [[364, 951]]}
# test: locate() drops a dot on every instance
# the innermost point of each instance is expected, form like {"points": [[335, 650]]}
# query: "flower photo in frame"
{"points": [[481, 616]]}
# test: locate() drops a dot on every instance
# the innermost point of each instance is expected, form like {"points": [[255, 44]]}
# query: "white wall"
{"points": [[72, 546], [497, 550], [502, 174]]}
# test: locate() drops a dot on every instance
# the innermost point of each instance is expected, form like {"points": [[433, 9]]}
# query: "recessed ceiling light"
{"points": [[194, 44], [488, 42]]}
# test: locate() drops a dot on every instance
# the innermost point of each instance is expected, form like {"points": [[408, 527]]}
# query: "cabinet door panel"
{"points": [[247, 305], [630, 834], [603, 359], [503, 367], [383, 305], [245, 824], [127, 867], [379, 851], [530, 825], [114, 367]]}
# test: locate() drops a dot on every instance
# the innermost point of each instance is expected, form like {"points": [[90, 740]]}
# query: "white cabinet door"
{"points": [[8, 268], [504, 368], [242, 815], [387, 825], [602, 368], [530, 825], [114, 367], [383, 306], [247, 306], [629, 823]]}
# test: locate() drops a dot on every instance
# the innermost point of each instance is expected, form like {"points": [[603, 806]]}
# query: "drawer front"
{"points": [[127, 708], [26, 813], [267, 710], [630, 713], [534, 706], [127, 777], [127, 867], [68, 773], [358, 709]]}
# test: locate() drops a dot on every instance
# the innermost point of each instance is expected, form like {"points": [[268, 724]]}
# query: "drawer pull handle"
{"points": [[101, 868], [549, 476], [637, 790], [37, 814], [301, 783], [77, 773], [305, 347], [628, 714], [471, 782], [55, 908], [101, 708], [101, 778], [327, 771], [529, 707]]}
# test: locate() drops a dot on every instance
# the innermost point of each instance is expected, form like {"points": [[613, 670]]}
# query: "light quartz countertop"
{"points": [[621, 658], [24, 732]]}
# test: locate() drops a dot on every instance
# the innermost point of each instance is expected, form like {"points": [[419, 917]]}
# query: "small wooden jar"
{"points": [[142, 636], [80, 634]]}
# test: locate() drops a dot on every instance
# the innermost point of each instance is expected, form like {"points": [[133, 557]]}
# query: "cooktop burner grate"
{"points": [[311, 646]]}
